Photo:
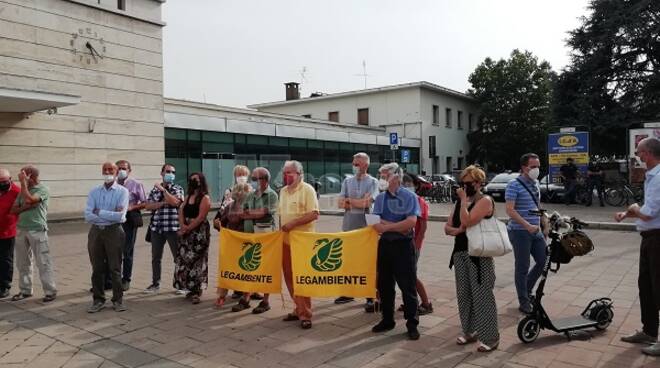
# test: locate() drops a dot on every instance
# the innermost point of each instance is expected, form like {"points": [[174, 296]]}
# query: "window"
{"points": [[121, 4], [363, 116], [460, 163], [470, 122], [448, 118], [436, 115], [449, 164], [459, 120], [308, 116], [333, 116], [431, 146]]}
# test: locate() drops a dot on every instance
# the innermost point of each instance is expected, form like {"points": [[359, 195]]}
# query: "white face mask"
{"points": [[241, 180], [108, 178], [383, 184], [122, 174], [533, 173], [356, 170]]}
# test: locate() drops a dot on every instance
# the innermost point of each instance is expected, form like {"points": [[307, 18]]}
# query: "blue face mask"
{"points": [[255, 185], [169, 178]]}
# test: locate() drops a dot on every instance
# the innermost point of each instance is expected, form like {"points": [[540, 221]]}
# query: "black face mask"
{"points": [[469, 190], [4, 186], [193, 184]]}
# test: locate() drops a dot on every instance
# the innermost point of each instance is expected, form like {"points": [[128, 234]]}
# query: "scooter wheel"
{"points": [[604, 317], [528, 329]]}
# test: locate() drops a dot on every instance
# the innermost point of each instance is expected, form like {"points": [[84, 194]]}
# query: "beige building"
{"points": [[81, 82], [437, 116]]}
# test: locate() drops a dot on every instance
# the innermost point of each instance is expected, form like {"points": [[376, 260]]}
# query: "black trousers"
{"points": [[396, 264], [595, 184], [649, 281], [6, 262], [105, 250]]}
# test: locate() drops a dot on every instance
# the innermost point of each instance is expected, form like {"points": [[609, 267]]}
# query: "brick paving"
{"points": [[165, 330]]}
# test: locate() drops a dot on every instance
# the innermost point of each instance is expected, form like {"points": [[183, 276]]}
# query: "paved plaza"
{"points": [[165, 330]]}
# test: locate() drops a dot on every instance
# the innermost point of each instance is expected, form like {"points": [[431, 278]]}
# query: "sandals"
{"points": [[466, 339], [20, 296], [290, 317], [261, 308], [220, 302], [483, 348], [305, 324]]}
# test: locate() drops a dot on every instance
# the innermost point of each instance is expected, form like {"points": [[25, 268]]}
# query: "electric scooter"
{"points": [[598, 314]]}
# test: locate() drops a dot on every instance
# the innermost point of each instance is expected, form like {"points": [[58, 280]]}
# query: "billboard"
{"points": [[634, 137], [564, 145]]}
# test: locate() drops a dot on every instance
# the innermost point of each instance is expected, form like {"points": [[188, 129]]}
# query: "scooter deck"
{"points": [[573, 323]]}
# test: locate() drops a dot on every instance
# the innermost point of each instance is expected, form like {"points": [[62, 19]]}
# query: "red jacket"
{"points": [[7, 219]]}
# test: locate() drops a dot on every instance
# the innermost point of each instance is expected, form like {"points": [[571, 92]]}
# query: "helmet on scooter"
{"points": [[576, 243]]}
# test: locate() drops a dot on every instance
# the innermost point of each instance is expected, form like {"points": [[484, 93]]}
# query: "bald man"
{"points": [[106, 211], [32, 238], [8, 194]]}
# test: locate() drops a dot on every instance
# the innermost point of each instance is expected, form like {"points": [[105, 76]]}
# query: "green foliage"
{"points": [[613, 80], [515, 99]]}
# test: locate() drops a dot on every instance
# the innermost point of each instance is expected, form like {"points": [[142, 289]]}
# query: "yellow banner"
{"points": [[560, 158], [250, 262], [334, 264]]}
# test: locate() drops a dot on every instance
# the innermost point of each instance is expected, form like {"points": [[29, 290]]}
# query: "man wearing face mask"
{"points": [[9, 191], [298, 209], [106, 211], [648, 224], [523, 195], [164, 201], [32, 240], [398, 209], [356, 197], [259, 210], [136, 202]]}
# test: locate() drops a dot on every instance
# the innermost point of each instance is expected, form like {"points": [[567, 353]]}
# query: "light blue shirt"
{"points": [[397, 207], [523, 201], [112, 204], [651, 205]]}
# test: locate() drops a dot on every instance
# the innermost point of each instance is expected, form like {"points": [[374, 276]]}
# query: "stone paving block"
{"points": [[22, 354], [120, 353], [163, 363]]}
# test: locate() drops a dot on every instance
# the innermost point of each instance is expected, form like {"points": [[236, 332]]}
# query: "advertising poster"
{"points": [[561, 146]]}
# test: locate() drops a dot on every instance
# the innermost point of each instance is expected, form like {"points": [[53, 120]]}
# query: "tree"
{"points": [[514, 96], [613, 79]]}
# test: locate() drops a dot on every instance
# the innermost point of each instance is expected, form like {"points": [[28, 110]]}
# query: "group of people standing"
{"points": [[179, 218]]}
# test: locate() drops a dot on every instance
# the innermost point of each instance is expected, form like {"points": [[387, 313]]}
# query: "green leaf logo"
{"points": [[251, 258], [328, 256]]}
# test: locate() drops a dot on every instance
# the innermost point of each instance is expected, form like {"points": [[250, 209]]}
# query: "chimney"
{"points": [[292, 91]]}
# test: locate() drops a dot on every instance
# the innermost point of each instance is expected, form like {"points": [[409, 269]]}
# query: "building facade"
{"points": [[437, 116], [212, 139], [81, 82]]}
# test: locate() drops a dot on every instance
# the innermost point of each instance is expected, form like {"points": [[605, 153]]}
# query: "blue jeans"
{"points": [[129, 246], [525, 244]]}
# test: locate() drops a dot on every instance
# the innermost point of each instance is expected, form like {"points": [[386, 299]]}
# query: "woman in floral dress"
{"points": [[191, 261]]}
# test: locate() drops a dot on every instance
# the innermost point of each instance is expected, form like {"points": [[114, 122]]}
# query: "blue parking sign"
{"points": [[394, 138], [405, 156]]}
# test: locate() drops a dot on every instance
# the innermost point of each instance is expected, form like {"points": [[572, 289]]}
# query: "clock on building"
{"points": [[87, 47]]}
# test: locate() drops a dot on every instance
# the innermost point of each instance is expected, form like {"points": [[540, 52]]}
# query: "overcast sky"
{"points": [[240, 52]]}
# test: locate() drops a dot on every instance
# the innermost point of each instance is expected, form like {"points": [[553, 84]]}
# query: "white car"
{"points": [[497, 186]]}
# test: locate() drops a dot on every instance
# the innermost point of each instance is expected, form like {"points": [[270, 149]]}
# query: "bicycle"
{"points": [[624, 194]]}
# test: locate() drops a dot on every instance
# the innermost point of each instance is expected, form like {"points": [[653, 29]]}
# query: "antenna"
{"points": [[364, 73], [303, 76]]}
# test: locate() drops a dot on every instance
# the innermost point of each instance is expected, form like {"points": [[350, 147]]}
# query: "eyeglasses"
{"points": [[259, 178], [467, 183], [170, 171]]}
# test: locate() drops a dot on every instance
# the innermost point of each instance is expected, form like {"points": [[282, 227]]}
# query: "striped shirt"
{"points": [[523, 201]]}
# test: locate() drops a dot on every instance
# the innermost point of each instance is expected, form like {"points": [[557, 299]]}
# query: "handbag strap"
{"points": [[536, 202]]}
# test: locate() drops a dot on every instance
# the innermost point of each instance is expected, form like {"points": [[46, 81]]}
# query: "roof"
{"points": [[422, 84]]}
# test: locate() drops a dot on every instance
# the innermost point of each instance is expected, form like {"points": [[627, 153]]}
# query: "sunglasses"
{"points": [[259, 178], [170, 172]]}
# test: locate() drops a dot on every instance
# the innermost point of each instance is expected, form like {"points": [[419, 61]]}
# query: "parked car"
{"points": [[552, 192], [441, 178], [497, 186]]}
